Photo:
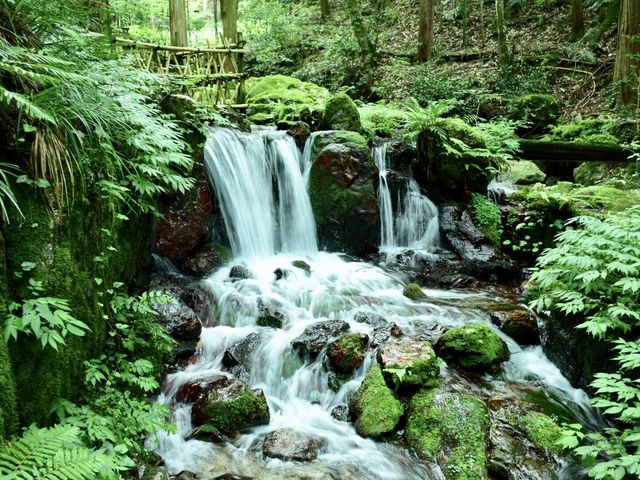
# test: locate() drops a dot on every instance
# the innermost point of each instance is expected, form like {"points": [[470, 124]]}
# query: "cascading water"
{"points": [[246, 169], [416, 226]]}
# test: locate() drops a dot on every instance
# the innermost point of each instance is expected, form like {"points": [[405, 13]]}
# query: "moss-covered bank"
{"points": [[76, 255]]}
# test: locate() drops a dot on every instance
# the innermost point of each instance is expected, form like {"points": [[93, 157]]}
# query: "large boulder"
{"points": [[181, 322], [275, 98], [238, 357], [186, 223], [517, 322], [341, 113], [288, 444], [409, 364], [225, 404], [346, 354], [374, 406], [315, 337], [451, 429], [522, 172], [474, 347], [205, 260], [343, 196]]}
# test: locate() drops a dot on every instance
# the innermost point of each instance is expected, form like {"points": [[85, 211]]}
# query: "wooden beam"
{"points": [[232, 48]]}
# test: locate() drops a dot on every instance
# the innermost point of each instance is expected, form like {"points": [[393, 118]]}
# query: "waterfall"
{"points": [[387, 240], [416, 225], [258, 178]]}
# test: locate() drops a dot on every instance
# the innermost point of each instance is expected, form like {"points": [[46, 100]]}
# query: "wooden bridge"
{"points": [[211, 75]]}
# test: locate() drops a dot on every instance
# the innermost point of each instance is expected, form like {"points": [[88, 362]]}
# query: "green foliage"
{"points": [[520, 78], [7, 197], [53, 453], [593, 274], [117, 415], [613, 130], [488, 218], [48, 319], [381, 119]]}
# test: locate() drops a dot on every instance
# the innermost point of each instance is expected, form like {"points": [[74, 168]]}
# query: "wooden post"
{"points": [[577, 20], [178, 23]]}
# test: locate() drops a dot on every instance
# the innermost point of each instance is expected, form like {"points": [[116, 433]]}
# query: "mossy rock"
{"points": [[278, 97], [474, 347], [540, 111], [341, 113], [346, 354], [610, 174], [414, 292], [522, 172], [409, 364], [542, 431], [487, 217], [352, 140], [375, 407], [450, 429]]}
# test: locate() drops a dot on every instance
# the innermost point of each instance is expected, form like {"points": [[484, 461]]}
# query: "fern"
{"points": [[55, 453]]}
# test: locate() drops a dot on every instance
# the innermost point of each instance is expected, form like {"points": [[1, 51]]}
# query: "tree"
{"points": [[361, 32], [505, 58], [627, 68], [229, 15], [425, 32], [178, 23], [577, 20], [325, 9]]}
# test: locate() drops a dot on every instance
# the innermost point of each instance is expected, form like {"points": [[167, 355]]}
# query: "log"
{"points": [[233, 48], [540, 150]]}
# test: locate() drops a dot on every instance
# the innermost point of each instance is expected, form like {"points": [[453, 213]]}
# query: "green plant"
{"points": [[593, 274], [48, 319], [53, 453], [488, 217]]}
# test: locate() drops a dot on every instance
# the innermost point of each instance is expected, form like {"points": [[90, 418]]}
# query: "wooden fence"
{"points": [[213, 75]]}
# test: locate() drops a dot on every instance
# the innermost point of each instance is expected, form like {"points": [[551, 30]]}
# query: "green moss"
{"points": [[377, 408], [542, 431], [419, 374], [347, 353], [223, 252], [461, 130], [8, 403], [488, 218], [284, 98], [246, 409], [413, 292], [341, 113], [451, 429], [353, 140], [475, 346], [595, 130], [538, 110], [522, 172]]}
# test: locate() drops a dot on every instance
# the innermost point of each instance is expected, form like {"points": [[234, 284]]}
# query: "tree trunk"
{"points": [[229, 16], [425, 32], [101, 17], [367, 48], [325, 9], [577, 20], [627, 69], [505, 58], [178, 23]]}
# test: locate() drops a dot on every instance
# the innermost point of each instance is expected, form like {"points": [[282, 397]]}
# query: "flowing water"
{"points": [[416, 225], [260, 182]]}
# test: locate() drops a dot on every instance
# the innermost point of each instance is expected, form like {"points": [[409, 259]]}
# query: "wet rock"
{"points": [[269, 315], [369, 318], [473, 347], [149, 472], [315, 337], [231, 476], [340, 412], [181, 322], [464, 236], [281, 273], [300, 131], [302, 265], [205, 434], [228, 405], [346, 354], [237, 358], [205, 260], [185, 290], [409, 364], [383, 333], [288, 444], [186, 224], [522, 172], [414, 292], [374, 406], [343, 195], [186, 475], [519, 323], [184, 350], [240, 272], [451, 429], [401, 154]]}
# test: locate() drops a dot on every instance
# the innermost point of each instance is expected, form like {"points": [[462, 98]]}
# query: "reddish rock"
{"points": [[204, 261], [186, 224]]}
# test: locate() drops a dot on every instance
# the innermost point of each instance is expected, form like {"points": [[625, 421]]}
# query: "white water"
{"points": [[499, 189], [298, 391], [416, 224]]}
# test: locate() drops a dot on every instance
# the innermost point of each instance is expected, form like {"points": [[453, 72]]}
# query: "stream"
{"points": [[261, 181]]}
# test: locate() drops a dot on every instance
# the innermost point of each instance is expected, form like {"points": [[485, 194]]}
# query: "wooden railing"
{"points": [[214, 75]]}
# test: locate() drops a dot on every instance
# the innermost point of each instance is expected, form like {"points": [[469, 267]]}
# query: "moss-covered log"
{"points": [[540, 150]]}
